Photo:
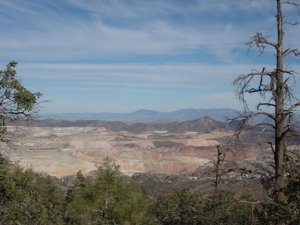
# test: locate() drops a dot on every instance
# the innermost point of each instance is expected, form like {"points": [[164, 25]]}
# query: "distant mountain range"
{"points": [[149, 116], [203, 125], [199, 120]]}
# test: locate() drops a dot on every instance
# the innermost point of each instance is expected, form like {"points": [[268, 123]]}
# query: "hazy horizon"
{"points": [[136, 110]]}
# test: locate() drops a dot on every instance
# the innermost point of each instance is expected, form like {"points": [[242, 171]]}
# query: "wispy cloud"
{"points": [[77, 30], [178, 72], [158, 74]]}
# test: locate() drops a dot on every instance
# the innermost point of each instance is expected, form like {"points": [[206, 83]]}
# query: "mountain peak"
{"points": [[145, 111]]}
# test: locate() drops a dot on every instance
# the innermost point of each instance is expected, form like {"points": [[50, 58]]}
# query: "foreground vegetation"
{"points": [[107, 197]]}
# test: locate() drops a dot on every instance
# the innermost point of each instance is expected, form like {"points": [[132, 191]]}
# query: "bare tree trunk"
{"points": [[218, 163], [280, 147]]}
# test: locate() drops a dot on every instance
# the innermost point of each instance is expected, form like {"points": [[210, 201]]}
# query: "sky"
{"points": [[125, 55]]}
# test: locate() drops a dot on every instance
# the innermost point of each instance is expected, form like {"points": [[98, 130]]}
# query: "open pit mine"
{"points": [[63, 151]]}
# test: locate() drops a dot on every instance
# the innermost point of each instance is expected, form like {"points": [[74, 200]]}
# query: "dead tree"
{"points": [[276, 100], [218, 167]]}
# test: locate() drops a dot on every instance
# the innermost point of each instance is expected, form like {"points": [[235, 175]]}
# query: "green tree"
{"points": [[186, 208], [179, 208], [27, 197], [223, 208], [16, 102], [107, 198]]}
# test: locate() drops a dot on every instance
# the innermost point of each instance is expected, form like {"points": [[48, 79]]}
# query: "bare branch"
{"points": [[289, 51], [269, 115], [292, 107], [272, 146], [260, 42], [276, 90], [243, 120], [265, 125], [296, 5], [265, 104]]}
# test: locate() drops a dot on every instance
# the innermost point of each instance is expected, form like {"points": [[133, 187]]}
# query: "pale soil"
{"points": [[64, 151]]}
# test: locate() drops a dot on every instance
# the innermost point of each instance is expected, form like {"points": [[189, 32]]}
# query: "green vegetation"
{"points": [[107, 198], [184, 207], [178, 208], [27, 197], [16, 102]]}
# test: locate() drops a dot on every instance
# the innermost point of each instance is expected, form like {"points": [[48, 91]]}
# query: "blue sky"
{"points": [[124, 55]]}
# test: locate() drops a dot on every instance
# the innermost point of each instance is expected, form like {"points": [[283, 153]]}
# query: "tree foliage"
{"points": [[16, 102], [27, 197], [187, 208], [107, 198], [178, 208]]}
